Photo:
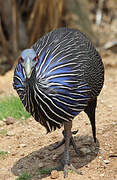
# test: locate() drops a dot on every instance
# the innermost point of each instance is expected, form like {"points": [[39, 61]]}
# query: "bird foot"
{"points": [[68, 167], [60, 143], [71, 167]]}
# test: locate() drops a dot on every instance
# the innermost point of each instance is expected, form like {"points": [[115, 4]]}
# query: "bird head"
{"points": [[28, 60]]}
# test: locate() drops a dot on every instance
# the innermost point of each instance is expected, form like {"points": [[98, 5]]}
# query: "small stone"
{"points": [[54, 174], [10, 133], [100, 157], [102, 175], [106, 161], [3, 169], [54, 157], [22, 145], [41, 165], [14, 154], [9, 121], [102, 151], [87, 166], [22, 154]]}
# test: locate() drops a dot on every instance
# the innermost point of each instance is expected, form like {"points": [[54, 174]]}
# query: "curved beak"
{"points": [[28, 67]]}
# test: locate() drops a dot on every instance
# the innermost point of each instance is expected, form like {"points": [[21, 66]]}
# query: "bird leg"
{"points": [[66, 160], [60, 143]]}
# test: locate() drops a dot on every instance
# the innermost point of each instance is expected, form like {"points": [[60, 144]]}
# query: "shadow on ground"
{"points": [[39, 162]]}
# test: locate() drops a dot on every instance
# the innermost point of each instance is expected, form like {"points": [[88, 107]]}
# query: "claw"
{"points": [[66, 167], [70, 167]]}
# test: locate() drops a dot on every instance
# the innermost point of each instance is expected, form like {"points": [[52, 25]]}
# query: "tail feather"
{"points": [[90, 111]]}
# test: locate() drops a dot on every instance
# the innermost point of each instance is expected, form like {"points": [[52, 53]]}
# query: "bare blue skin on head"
{"points": [[28, 52], [28, 62]]}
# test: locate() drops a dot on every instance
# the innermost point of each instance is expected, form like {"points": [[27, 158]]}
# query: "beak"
{"points": [[28, 67]]}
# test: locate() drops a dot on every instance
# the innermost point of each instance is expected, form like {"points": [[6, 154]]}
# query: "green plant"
{"points": [[12, 106], [24, 176], [46, 170], [3, 154], [3, 132]]}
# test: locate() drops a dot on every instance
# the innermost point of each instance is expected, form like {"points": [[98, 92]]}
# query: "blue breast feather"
{"points": [[59, 78], [19, 77]]}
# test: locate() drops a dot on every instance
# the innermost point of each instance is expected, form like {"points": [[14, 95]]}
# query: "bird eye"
{"points": [[36, 58], [20, 59]]}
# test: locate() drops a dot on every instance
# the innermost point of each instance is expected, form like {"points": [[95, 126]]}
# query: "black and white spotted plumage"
{"points": [[67, 77]]}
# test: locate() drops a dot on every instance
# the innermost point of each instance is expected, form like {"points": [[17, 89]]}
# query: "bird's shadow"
{"points": [[39, 163]]}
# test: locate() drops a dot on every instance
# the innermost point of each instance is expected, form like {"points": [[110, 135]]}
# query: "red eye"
{"points": [[20, 59], [36, 58]]}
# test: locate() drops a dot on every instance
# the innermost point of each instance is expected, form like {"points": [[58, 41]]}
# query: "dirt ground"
{"points": [[30, 148]]}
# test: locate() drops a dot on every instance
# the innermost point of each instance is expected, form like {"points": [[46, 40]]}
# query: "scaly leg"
{"points": [[71, 142], [66, 159], [67, 130]]}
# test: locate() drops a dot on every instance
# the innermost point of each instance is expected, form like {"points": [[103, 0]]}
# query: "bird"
{"points": [[58, 77]]}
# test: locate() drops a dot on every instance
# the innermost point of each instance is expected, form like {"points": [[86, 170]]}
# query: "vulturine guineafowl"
{"points": [[58, 77]]}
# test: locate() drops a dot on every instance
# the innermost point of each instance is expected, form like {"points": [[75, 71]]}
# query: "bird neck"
{"points": [[31, 81]]}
